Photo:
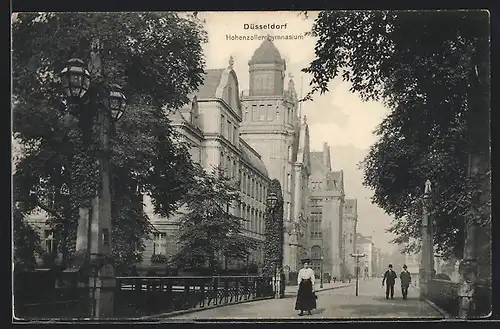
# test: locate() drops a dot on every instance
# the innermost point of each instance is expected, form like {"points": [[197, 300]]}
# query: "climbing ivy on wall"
{"points": [[274, 230]]}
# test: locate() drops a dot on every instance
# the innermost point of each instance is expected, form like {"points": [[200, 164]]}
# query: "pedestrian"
{"points": [[306, 298], [405, 278], [390, 279]]}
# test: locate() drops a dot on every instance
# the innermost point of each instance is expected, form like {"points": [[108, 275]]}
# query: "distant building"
{"points": [[377, 269], [326, 205], [364, 245], [349, 227]]}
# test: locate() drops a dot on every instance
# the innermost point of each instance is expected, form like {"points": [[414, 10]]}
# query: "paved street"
{"points": [[333, 303]]}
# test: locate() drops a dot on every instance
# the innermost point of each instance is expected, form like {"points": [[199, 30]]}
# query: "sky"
{"points": [[338, 117]]}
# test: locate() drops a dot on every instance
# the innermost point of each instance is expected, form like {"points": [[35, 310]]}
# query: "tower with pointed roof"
{"points": [[272, 127]]}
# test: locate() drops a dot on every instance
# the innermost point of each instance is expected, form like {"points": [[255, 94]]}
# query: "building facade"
{"points": [[377, 269], [364, 245], [271, 125], [210, 124], [349, 230], [325, 213]]}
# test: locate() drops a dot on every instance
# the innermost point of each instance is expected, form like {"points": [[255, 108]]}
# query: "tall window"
{"points": [[262, 113], [48, 241], [235, 135], [288, 210], [269, 112], [289, 183], [159, 243], [222, 122], [315, 225], [247, 115], [277, 115], [229, 130], [254, 113]]}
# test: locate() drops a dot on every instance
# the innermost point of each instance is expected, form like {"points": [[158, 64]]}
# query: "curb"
{"points": [[445, 314], [323, 289]]}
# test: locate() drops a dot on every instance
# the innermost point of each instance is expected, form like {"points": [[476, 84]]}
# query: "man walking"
{"points": [[390, 279], [405, 278]]}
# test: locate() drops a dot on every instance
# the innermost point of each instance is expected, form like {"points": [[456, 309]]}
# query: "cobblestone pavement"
{"points": [[336, 303]]}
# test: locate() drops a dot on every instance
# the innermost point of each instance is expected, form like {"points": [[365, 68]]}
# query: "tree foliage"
{"points": [[157, 59], [431, 70], [207, 228], [26, 243]]}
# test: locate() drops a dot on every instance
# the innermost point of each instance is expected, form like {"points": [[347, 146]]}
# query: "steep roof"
{"points": [[215, 82], [249, 155], [211, 81], [266, 53]]}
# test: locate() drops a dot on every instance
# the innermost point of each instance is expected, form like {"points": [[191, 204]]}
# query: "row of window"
{"points": [[254, 219], [315, 202], [316, 185], [251, 186], [229, 130], [266, 113]]}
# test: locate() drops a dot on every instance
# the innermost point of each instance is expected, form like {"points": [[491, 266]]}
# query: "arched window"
{"points": [[315, 252]]}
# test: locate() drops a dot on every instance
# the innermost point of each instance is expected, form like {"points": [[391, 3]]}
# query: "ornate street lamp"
{"points": [[75, 79], [357, 256], [272, 200], [116, 102]]}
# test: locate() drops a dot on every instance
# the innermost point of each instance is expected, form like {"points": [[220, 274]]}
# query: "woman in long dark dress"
{"points": [[306, 299]]}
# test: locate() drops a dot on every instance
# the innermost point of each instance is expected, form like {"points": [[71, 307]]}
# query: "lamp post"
{"points": [[321, 271], [357, 256], [86, 90]]}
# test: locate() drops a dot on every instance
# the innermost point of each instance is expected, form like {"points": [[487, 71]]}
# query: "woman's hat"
{"points": [[306, 260]]}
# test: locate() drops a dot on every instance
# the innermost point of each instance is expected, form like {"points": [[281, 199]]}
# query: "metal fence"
{"points": [[444, 294], [42, 296], [145, 296]]}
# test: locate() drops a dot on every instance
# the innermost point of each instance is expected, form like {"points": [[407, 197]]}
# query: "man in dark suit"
{"points": [[405, 278], [390, 279]]}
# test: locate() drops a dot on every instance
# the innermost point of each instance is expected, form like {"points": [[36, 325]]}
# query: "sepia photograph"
{"points": [[251, 165]]}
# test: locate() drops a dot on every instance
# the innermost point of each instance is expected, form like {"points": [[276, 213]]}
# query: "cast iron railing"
{"points": [[444, 294], [37, 296], [148, 296]]}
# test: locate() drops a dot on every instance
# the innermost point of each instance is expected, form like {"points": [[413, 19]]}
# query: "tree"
{"points": [[26, 243], [274, 236], [207, 228], [157, 59], [274, 231], [431, 70]]}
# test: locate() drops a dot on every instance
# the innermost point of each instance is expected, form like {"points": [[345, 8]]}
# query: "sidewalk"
{"points": [[292, 290], [335, 301]]}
